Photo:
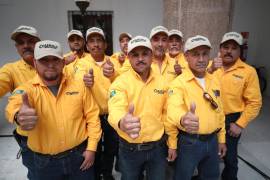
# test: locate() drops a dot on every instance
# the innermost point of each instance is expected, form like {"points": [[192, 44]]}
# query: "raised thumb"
{"points": [[25, 101], [176, 61], [192, 107], [218, 55], [108, 61], [131, 108], [91, 71]]}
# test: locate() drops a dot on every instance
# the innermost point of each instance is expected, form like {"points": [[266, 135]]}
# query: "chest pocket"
{"points": [[73, 103], [236, 85]]}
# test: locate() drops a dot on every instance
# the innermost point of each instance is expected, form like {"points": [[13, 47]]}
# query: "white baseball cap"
{"points": [[74, 32], [175, 32], [26, 30], [158, 29], [95, 30], [238, 38], [48, 48], [124, 34], [196, 41], [139, 41]]}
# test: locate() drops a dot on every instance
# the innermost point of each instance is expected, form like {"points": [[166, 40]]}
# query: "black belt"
{"points": [[233, 116], [80, 147], [202, 137], [141, 146]]}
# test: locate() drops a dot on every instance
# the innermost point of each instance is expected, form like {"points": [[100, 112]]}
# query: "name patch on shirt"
{"points": [[170, 92], [72, 93], [238, 76], [171, 72], [216, 92], [159, 91]]}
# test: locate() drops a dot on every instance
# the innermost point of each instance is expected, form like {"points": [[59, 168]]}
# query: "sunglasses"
{"points": [[209, 98]]}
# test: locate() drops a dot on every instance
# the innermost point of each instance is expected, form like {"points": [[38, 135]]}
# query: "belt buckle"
{"points": [[203, 137], [144, 147]]}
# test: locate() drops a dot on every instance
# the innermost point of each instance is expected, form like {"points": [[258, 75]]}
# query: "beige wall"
{"points": [[210, 18]]}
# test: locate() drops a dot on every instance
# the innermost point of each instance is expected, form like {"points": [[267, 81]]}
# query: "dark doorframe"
{"points": [[101, 19]]}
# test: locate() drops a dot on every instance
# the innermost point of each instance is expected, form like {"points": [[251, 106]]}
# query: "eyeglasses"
{"points": [[209, 98]]}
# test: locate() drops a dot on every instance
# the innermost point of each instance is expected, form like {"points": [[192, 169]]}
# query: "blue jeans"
{"points": [[62, 168], [230, 160], [193, 153], [132, 162], [107, 150], [27, 154]]}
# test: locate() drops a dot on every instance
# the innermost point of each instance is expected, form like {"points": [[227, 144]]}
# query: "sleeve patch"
{"points": [[18, 91], [112, 93]]}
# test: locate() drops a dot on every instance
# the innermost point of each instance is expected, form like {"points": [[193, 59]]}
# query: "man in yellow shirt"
{"points": [[120, 58], [194, 107], [93, 76], [15, 74], [136, 112], [175, 45], [241, 97], [61, 118], [76, 44], [162, 64]]}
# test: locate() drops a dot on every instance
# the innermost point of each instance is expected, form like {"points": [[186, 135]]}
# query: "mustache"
{"points": [[28, 50], [175, 48], [201, 65], [160, 49], [140, 62], [228, 55]]}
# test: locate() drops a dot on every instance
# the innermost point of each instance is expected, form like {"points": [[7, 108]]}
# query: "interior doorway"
{"points": [[101, 19]]}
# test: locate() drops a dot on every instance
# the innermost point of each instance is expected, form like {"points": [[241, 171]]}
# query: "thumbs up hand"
{"points": [[130, 124], [217, 63], [88, 79], [190, 121], [108, 68], [177, 68], [121, 58], [69, 59], [27, 117]]}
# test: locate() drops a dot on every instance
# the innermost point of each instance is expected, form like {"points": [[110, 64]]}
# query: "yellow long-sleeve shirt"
{"points": [[76, 64], [184, 90], [240, 91], [101, 83], [64, 121], [167, 67], [13, 75], [149, 99], [120, 68], [181, 60]]}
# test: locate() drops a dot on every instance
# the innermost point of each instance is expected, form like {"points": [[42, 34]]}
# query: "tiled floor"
{"points": [[254, 147]]}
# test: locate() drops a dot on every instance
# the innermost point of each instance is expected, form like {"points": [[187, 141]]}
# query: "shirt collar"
{"points": [[138, 77], [25, 65], [238, 64], [189, 75], [38, 81]]}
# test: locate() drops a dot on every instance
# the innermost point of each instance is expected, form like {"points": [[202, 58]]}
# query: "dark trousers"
{"points": [[107, 150], [192, 153], [27, 154], [230, 160], [62, 167], [132, 162]]}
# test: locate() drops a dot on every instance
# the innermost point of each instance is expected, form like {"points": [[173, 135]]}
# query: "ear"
{"points": [[35, 63]]}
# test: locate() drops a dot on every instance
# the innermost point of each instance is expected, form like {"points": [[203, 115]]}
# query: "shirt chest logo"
{"points": [[159, 91], [70, 93], [238, 76]]}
